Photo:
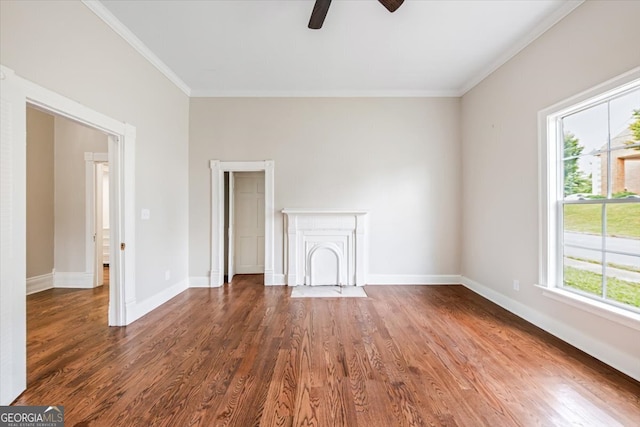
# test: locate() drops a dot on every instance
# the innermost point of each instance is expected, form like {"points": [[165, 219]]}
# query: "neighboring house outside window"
{"points": [[590, 196]]}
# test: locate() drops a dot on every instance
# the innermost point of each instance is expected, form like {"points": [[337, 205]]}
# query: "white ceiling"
{"points": [[264, 48]]}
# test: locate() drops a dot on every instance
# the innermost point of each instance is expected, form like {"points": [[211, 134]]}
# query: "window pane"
{"points": [[584, 273], [585, 178], [625, 172], [583, 226], [624, 121], [623, 228], [623, 285], [599, 232], [586, 131]]}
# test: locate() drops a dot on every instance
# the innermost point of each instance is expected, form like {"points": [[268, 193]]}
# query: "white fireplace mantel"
{"points": [[325, 246]]}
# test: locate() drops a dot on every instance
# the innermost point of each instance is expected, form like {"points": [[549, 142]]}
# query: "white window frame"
{"points": [[550, 192]]}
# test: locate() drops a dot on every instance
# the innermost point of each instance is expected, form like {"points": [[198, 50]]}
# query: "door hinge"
{"points": [[122, 246]]}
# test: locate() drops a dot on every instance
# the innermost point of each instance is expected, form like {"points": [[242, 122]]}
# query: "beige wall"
{"points": [[397, 158], [56, 192], [63, 46], [40, 193], [72, 140], [596, 42]]}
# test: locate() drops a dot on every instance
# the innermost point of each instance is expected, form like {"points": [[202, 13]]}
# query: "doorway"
{"points": [[65, 201], [245, 212], [16, 93], [218, 228], [97, 205]]}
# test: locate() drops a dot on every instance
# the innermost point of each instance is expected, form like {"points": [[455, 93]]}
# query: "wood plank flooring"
{"points": [[245, 355]]}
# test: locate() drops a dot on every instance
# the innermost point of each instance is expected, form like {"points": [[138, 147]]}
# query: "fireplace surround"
{"points": [[325, 247]]}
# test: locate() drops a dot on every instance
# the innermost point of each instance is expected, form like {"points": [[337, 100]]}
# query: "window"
{"points": [[590, 168]]}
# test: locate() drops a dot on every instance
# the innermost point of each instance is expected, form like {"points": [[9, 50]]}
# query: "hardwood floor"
{"points": [[245, 355]]}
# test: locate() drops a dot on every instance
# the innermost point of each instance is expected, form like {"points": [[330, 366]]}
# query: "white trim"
{"points": [[296, 211], [325, 93], [122, 142], [40, 283], [230, 231], [199, 282], [612, 356], [60, 105], [413, 279], [96, 157], [120, 29], [138, 309], [73, 279], [550, 189], [342, 231], [16, 94], [123, 31], [13, 265], [565, 9], [276, 280], [125, 179], [608, 311], [218, 169]]}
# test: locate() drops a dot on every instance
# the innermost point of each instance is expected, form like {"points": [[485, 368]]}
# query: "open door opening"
{"points": [[245, 223], [235, 252], [97, 216]]}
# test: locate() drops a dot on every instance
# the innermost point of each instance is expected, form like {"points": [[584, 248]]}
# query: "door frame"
{"points": [[231, 231], [93, 193], [122, 138], [17, 93], [218, 168]]}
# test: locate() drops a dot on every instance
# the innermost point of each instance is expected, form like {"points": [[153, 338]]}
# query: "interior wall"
{"points": [[397, 158], [40, 193], [596, 42], [72, 140], [64, 47]]}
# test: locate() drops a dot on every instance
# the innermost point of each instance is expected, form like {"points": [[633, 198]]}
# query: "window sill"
{"points": [[615, 314]]}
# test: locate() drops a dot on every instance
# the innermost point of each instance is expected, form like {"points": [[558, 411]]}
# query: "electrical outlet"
{"points": [[516, 285], [167, 275]]}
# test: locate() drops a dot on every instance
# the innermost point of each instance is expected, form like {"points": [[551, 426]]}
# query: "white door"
{"points": [[248, 222]]}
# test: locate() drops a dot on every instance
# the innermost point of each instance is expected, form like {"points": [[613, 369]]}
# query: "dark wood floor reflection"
{"points": [[245, 355]]}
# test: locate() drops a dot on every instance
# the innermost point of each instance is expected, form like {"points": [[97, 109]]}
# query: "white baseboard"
{"points": [[203, 281], [199, 282], [139, 309], [216, 280], [39, 283], [413, 279], [623, 362], [80, 279], [274, 280]]}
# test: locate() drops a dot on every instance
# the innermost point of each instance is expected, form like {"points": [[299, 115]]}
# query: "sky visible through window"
{"points": [[590, 125]]}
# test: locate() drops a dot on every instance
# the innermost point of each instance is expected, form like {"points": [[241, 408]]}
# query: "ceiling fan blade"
{"points": [[320, 9], [391, 5]]}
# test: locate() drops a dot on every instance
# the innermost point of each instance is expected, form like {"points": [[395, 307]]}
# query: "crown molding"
{"points": [[541, 28], [116, 25], [326, 94]]}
